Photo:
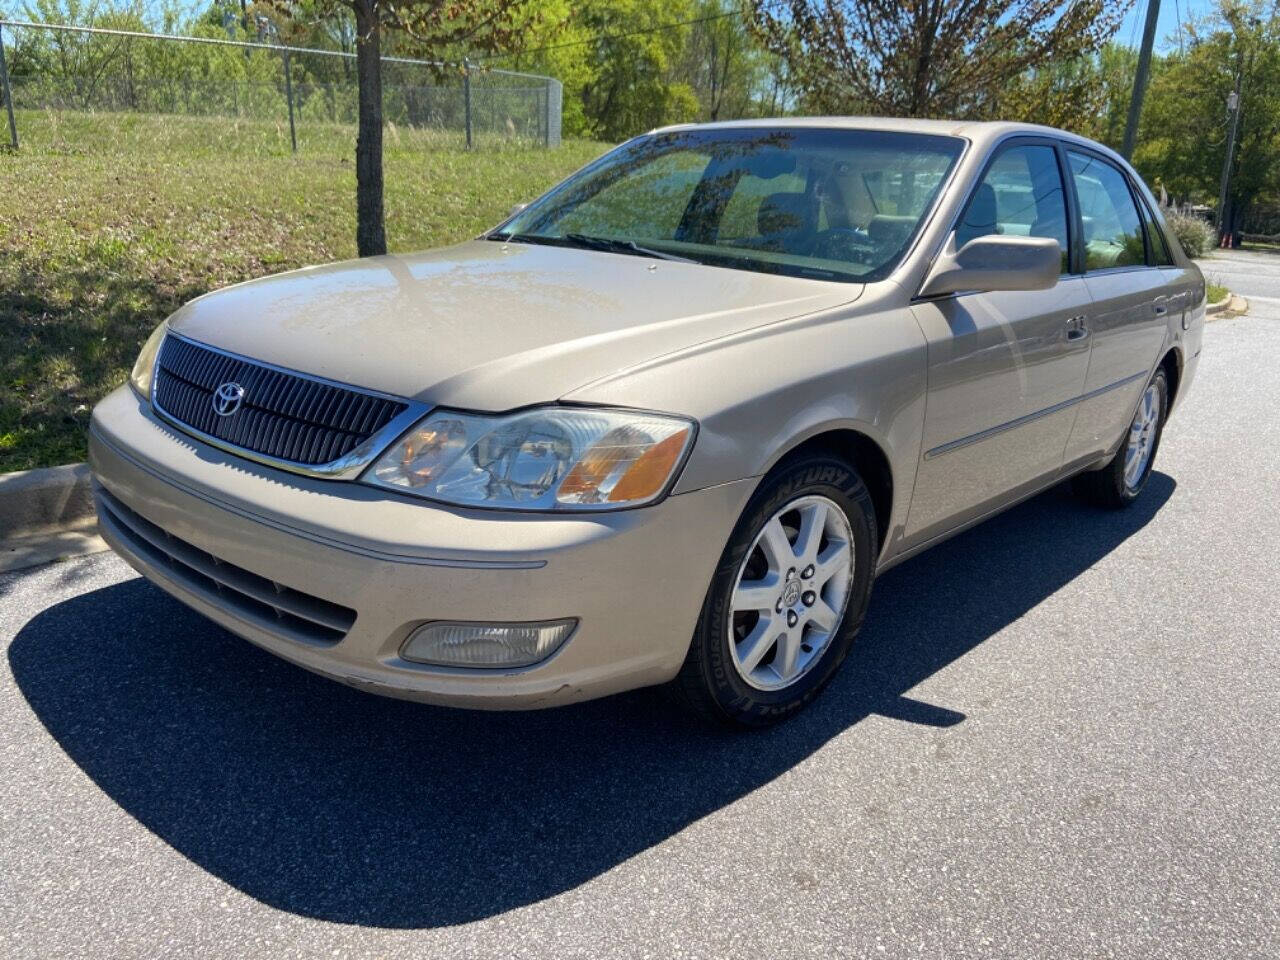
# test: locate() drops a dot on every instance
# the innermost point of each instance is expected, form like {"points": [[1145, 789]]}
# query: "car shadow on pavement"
{"points": [[331, 803]]}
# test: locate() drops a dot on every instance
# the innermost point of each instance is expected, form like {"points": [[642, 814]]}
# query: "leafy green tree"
{"points": [[926, 58], [1068, 94], [559, 45], [635, 50], [1183, 135]]}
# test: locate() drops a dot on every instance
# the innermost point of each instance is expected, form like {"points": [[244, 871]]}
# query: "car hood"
{"points": [[488, 325]]}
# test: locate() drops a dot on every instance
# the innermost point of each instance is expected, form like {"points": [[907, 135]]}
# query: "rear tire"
{"points": [[787, 598], [1122, 481]]}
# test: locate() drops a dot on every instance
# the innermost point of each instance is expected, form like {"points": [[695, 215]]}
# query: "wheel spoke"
{"points": [[752, 648], [823, 617], [835, 560], [784, 661], [813, 522], [777, 548], [756, 594]]}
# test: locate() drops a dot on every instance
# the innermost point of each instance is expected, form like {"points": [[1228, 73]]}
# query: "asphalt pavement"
{"points": [[1254, 274], [1057, 737]]}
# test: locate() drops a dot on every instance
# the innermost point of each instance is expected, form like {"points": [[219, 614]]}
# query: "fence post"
{"points": [[288, 93], [555, 112], [466, 97], [8, 94]]}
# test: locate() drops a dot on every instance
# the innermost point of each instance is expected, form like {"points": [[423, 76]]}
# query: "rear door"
{"points": [[1005, 368], [1129, 317]]}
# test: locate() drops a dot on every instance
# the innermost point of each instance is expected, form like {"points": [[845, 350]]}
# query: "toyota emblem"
{"points": [[227, 399]]}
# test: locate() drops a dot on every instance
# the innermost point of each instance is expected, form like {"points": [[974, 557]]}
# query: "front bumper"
{"points": [[635, 580]]}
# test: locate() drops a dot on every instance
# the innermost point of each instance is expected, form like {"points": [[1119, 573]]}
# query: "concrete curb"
{"points": [[1233, 303], [46, 515]]}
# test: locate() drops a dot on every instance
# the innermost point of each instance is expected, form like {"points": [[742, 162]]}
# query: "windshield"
{"points": [[822, 203]]}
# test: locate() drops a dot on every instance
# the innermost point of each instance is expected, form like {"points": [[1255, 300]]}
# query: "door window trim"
{"points": [[1153, 227]]}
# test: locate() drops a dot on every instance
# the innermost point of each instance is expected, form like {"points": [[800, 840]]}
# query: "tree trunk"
{"points": [[371, 229]]}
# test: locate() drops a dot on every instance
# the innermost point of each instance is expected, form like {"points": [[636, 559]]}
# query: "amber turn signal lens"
{"points": [[626, 465], [647, 476]]}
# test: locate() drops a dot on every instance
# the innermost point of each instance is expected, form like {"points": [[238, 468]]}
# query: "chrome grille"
{"points": [[268, 605], [284, 416]]}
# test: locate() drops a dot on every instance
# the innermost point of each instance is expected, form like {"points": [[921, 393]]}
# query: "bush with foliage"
{"points": [[1194, 234]]}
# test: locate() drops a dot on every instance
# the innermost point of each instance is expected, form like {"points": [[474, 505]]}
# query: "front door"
{"points": [[1005, 368]]}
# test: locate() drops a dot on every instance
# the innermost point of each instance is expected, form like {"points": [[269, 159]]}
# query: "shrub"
{"points": [[1194, 234]]}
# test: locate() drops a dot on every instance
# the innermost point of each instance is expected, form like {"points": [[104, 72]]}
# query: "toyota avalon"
{"points": [[665, 424]]}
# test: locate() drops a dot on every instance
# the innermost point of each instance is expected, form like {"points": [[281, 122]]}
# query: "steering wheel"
{"points": [[842, 243]]}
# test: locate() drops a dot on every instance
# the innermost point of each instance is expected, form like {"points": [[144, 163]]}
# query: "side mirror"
{"points": [[995, 262]]}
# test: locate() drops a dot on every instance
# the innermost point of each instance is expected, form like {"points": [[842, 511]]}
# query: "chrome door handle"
{"points": [[1076, 329], [1161, 305]]}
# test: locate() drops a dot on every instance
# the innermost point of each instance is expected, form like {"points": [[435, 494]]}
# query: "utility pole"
{"points": [[1140, 78], [1233, 106]]}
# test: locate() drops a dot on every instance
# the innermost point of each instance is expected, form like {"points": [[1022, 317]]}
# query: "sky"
{"points": [[1130, 32]]}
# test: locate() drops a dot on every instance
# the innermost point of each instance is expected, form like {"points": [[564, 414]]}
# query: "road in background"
{"points": [[1056, 737], [1254, 274]]}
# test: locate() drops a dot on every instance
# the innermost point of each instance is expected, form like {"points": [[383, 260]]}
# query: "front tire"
{"points": [[1122, 481], [787, 598]]}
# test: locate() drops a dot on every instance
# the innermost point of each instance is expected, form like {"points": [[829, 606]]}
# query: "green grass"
{"points": [[109, 222], [1216, 292]]}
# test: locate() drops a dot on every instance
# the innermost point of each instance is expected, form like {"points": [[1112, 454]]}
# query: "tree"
{"points": [[635, 48], [622, 63], [437, 29], [1183, 135], [731, 74], [926, 58]]}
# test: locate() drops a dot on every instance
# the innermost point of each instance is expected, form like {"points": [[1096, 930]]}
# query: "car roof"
{"points": [[981, 133]]}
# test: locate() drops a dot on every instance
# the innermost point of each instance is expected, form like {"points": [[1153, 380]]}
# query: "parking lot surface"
{"points": [[1057, 737], [1254, 274]]}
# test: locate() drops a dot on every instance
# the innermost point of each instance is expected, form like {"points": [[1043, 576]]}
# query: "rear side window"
{"points": [[1020, 194], [1112, 225]]}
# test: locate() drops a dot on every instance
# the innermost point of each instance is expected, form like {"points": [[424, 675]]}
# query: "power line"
{"points": [[1133, 30], [660, 28]]}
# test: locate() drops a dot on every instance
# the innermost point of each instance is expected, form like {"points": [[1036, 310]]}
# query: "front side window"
{"points": [[829, 204], [1112, 225], [1020, 194]]}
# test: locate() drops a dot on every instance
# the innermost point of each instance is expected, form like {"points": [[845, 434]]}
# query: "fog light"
{"points": [[486, 644]]}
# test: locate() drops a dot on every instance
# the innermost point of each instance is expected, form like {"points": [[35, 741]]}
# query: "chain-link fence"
{"points": [[90, 69]]}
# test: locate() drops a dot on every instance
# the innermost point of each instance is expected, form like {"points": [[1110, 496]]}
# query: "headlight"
{"points": [[140, 379], [553, 458]]}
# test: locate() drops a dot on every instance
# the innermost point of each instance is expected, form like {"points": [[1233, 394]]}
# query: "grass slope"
{"points": [[109, 222]]}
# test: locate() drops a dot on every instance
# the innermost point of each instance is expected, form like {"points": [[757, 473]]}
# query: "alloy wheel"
{"points": [[1142, 437], [790, 593]]}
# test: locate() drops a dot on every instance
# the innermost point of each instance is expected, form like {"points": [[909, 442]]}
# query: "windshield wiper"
{"points": [[608, 244], [509, 237], [615, 245]]}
